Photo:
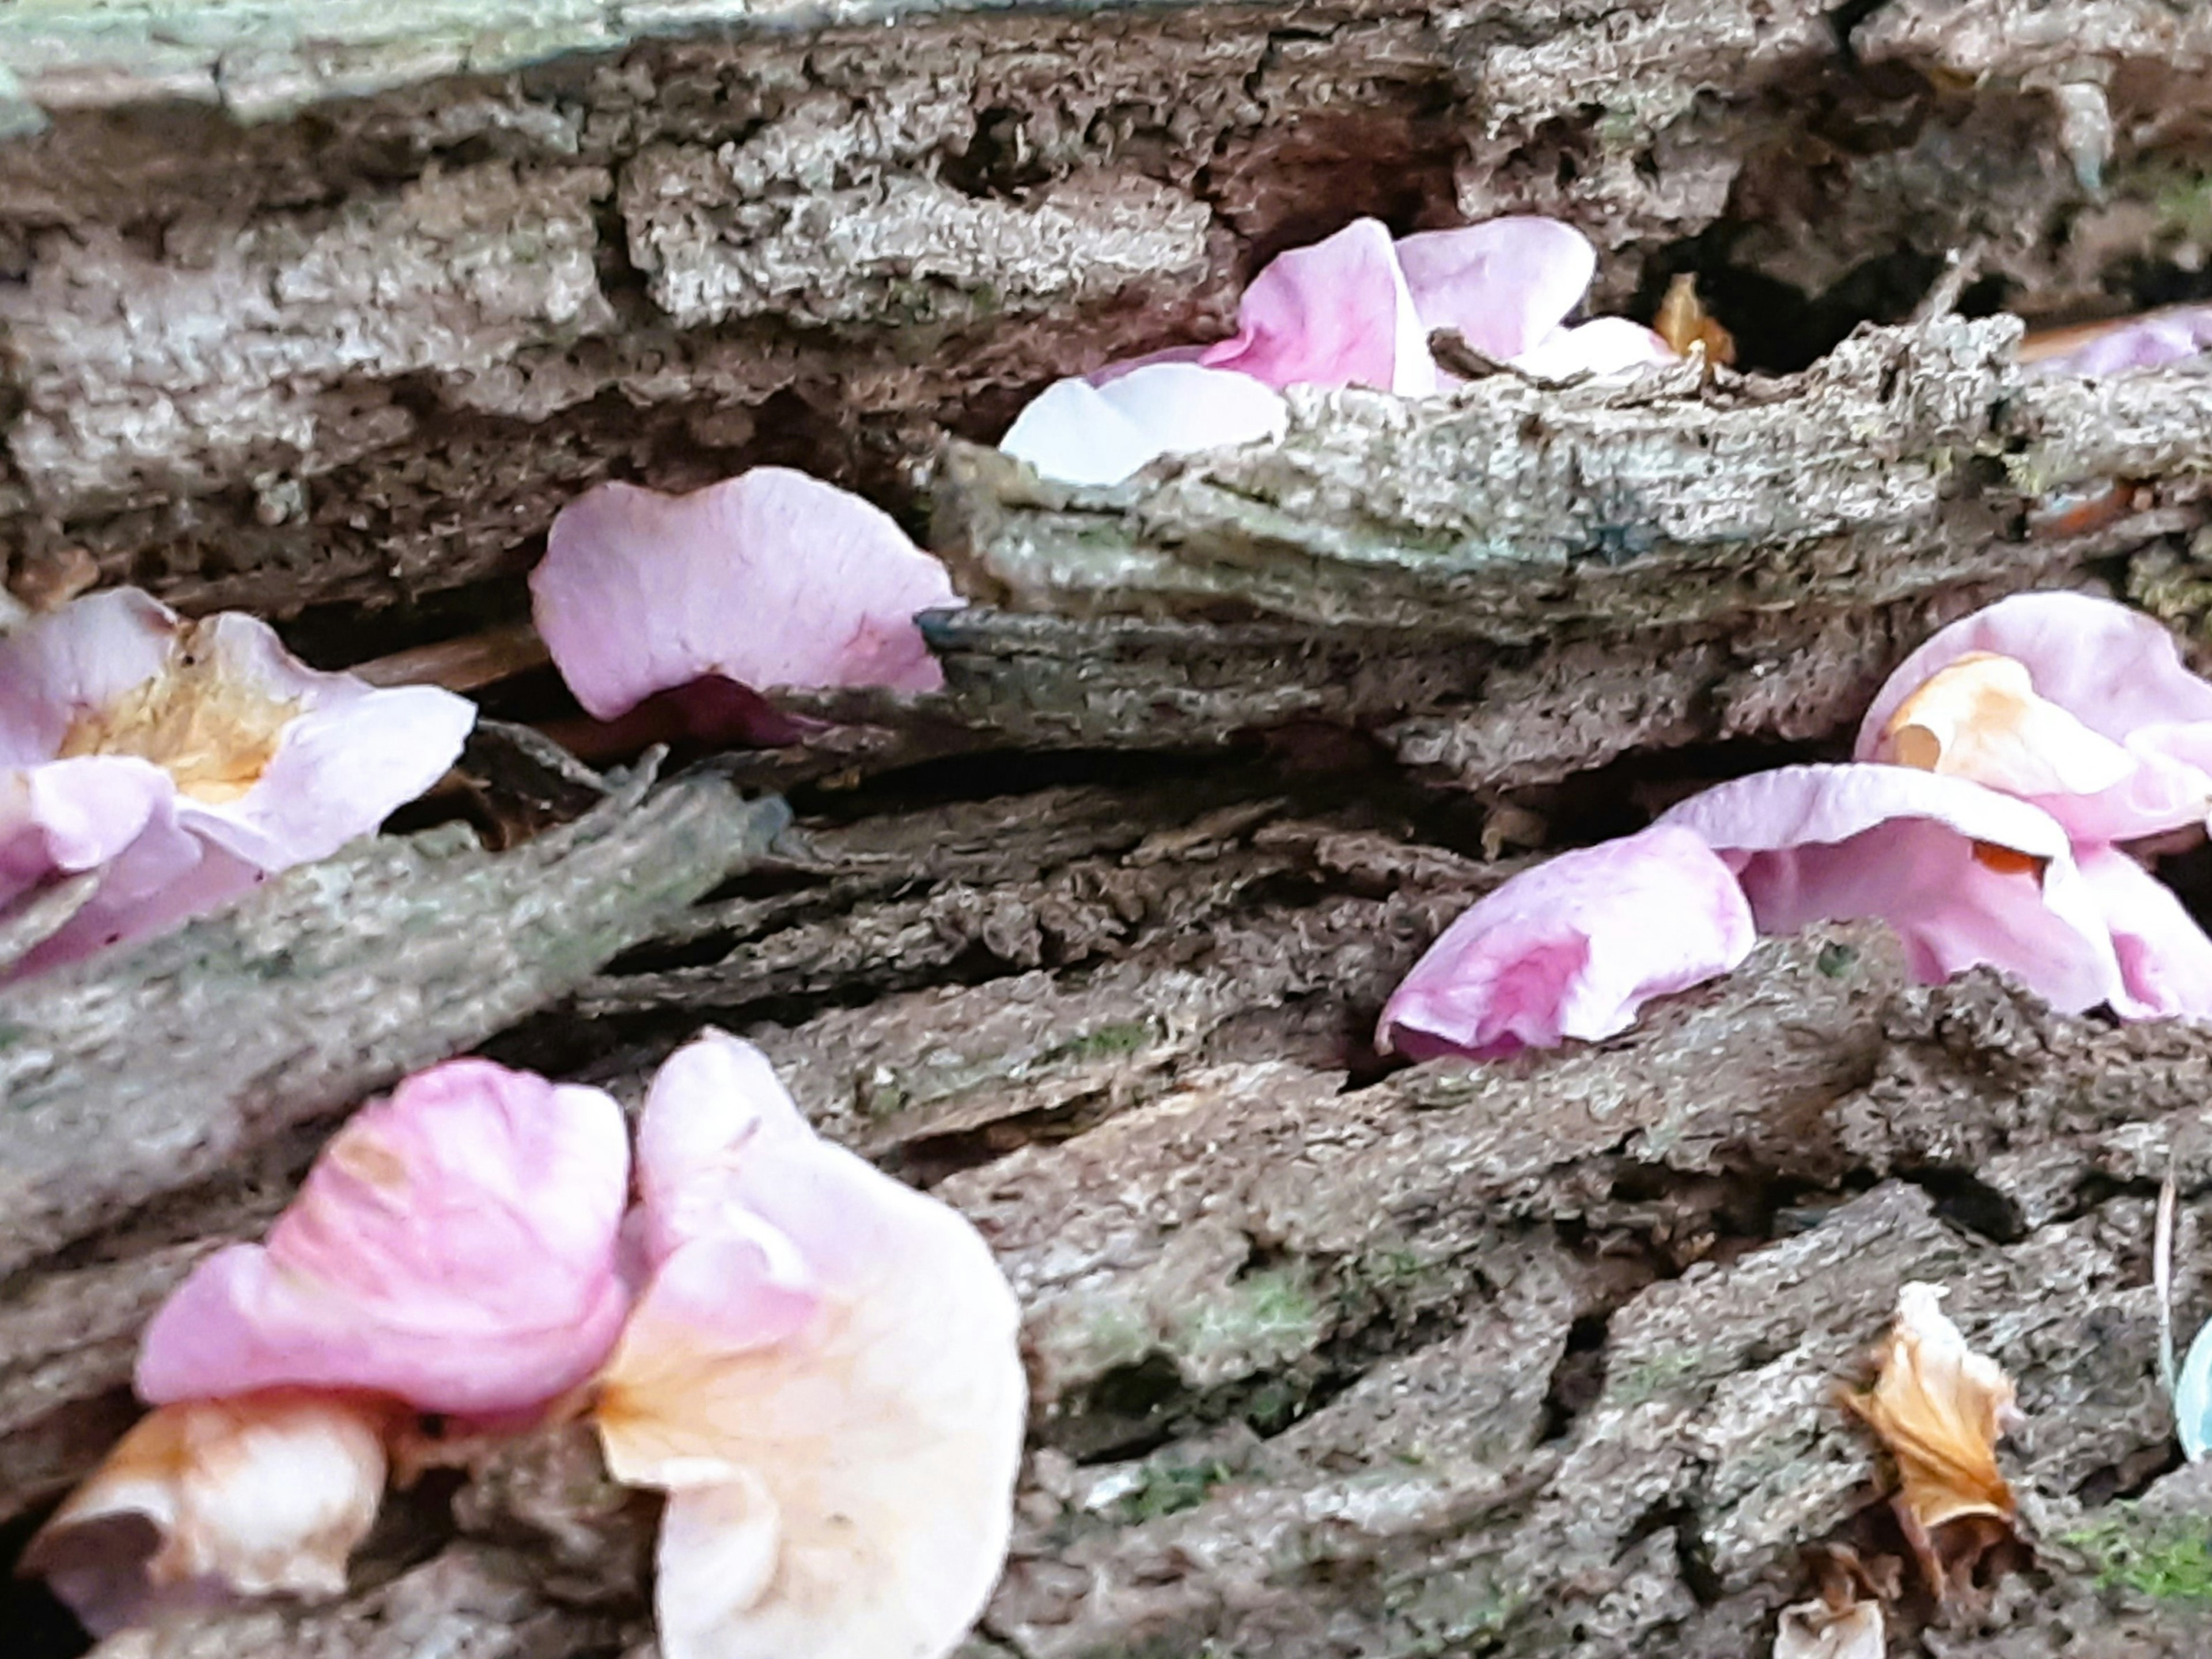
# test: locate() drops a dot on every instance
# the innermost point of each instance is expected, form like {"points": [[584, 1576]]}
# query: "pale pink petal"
{"points": [[2166, 960], [1335, 314], [2155, 340], [71, 816], [1572, 949], [769, 579], [453, 1247], [1964, 874], [1504, 285], [209, 1502], [2115, 670], [1084, 434], [160, 881], [839, 1430], [1603, 346], [57, 667]]}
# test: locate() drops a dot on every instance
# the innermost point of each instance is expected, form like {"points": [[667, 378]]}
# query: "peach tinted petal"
{"points": [[1813, 843], [453, 1247], [2116, 671], [1505, 284], [1084, 434], [212, 1501], [854, 1405], [1940, 1408], [1335, 314], [1979, 718], [1572, 948], [769, 579]]}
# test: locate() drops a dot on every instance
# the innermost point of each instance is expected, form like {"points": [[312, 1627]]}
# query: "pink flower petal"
{"points": [[1952, 867], [1084, 434], [1601, 346], [203, 1504], [2166, 960], [822, 1371], [1336, 313], [2154, 340], [453, 1247], [2115, 670], [769, 579], [59, 667], [1504, 285], [1572, 949]]}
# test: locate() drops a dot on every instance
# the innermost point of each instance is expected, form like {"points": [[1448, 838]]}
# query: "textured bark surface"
{"points": [[325, 309]]}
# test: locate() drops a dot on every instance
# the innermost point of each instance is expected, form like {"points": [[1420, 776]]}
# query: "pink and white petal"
{"points": [[2155, 340], [1337, 313], [453, 1247], [1603, 346], [163, 879], [1505, 284], [1813, 843], [210, 1502], [1572, 948], [2166, 960], [82, 657], [1082, 434], [769, 579], [65, 817]]}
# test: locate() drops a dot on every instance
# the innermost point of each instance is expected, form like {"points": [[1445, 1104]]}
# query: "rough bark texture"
{"points": [[326, 310]]}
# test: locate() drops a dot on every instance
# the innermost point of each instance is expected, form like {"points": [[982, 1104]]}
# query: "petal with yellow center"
{"points": [[216, 1500]]}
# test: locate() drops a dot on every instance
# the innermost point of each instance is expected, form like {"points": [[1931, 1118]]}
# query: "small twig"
{"points": [[1960, 266], [2162, 1277], [461, 664]]}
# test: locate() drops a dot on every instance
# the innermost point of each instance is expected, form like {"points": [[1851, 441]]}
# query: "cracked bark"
{"points": [[1330, 1359]]}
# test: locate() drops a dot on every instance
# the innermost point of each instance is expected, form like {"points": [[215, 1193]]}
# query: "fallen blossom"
{"points": [[1814, 1630], [1963, 874], [771, 578], [213, 1500], [822, 1374], [1572, 949], [1354, 309], [2104, 671], [453, 1248], [186, 761], [1939, 1409], [2155, 339]]}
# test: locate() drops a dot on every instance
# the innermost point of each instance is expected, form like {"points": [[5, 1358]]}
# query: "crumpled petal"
{"points": [[769, 579], [1083, 433], [1504, 285], [190, 759], [1601, 346], [2116, 671], [1814, 1630], [205, 1503], [1940, 1408], [822, 1371], [2154, 340], [1572, 948], [1963, 874], [2166, 960], [1336, 313], [1979, 718], [453, 1247]]}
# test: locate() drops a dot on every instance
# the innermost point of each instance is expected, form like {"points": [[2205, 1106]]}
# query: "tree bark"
{"points": [[325, 309]]}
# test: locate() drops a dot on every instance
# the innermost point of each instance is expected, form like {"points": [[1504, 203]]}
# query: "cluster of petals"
{"points": [[817, 1364], [184, 761], [1996, 782], [769, 579], [2155, 339], [1356, 309]]}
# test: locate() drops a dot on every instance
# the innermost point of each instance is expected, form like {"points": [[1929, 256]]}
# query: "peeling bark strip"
{"points": [[335, 981]]}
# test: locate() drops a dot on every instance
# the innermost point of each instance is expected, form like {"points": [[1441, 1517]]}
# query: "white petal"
{"points": [[1082, 434]]}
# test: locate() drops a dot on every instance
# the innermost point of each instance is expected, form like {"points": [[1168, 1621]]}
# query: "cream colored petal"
{"points": [[262, 1495], [1981, 717], [1812, 1629], [1940, 1409]]}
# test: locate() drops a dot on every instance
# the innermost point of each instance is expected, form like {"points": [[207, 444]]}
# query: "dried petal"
{"points": [[1083, 433], [1684, 322], [1336, 313], [1572, 949], [1979, 717], [1940, 1408], [768, 578], [2117, 672], [206, 1502], [823, 1373], [1927, 855], [1813, 1630], [453, 1247]]}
